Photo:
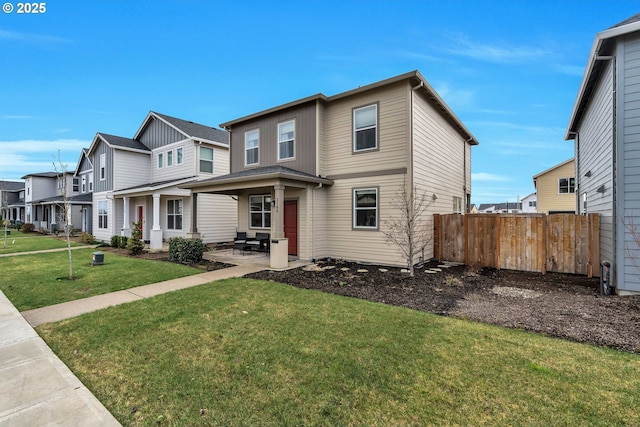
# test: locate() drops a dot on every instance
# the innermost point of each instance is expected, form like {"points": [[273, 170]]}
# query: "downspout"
{"points": [[614, 177], [467, 203], [576, 150]]}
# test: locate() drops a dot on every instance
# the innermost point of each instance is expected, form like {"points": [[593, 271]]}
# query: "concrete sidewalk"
{"points": [[66, 310], [37, 388]]}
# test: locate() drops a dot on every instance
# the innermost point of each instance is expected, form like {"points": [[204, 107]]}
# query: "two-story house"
{"points": [[45, 200], [84, 176], [12, 201], [136, 180], [556, 188], [320, 174], [604, 127]]}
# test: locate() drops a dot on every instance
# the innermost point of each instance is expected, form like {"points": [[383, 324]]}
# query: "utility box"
{"points": [[98, 258]]}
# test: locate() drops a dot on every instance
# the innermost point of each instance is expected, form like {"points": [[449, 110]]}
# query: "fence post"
{"points": [[437, 237], [593, 257], [498, 245], [542, 242]]}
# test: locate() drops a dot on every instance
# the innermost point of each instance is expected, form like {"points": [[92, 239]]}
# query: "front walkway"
{"points": [[38, 389]]}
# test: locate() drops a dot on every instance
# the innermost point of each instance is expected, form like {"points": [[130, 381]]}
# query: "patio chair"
{"points": [[240, 241]]}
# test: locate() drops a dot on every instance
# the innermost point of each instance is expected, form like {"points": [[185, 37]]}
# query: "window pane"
{"points": [[206, 153], [251, 139], [170, 206], [179, 156], [170, 222], [256, 219], [256, 203], [365, 198], [267, 220], [170, 158], [365, 117], [178, 207], [366, 218], [285, 131], [366, 139], [252, 156], [267, 203], [160, 161], [286, 150], [179, 222], [206, 166]]}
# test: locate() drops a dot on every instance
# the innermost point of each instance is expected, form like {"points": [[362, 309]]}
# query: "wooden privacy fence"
{"points": [[565, 243]]}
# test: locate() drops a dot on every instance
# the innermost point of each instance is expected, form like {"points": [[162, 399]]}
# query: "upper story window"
{"points": [[457, 205], [286, 140], [103, 167], [251, 147], [84, 183], [206, 160], [160, 160], [60, 183], [532, 204], [90, 182], [365, 208], [365, 128], [179, 156], [566, 185], [76, 184], [169, 158]]}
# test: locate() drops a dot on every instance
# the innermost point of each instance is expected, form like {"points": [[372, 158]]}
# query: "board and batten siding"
{"points": [[305, 139], [393, 136], [107, 183], [629, 136], [595, 155], [131, 169], [85, 164], [158, 134]]}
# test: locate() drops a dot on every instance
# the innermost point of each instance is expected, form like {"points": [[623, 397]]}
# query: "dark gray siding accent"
{"points": [[107, 184], [157, 134], [629, 134], [305, 139], [85, 164]]}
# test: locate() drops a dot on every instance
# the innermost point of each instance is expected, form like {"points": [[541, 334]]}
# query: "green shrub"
{"points": [[135, 245], [186, 251], [122, 244], [28, 228], [115, 241], [87, 238]]}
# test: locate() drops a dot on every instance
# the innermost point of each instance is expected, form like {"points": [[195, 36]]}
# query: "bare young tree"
{"points": [[409, 230], [5, 204], [65, 214]]}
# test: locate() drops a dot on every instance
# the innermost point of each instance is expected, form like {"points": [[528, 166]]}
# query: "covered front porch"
{"points": [[274, 200]]}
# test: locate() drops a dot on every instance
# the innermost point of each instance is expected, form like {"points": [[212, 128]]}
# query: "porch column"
{"points": [[126, 227], [156, 231], [193, 230], [279, 245], [53, 215]]}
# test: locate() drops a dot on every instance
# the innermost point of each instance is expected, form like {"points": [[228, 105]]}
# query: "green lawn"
{"points": [[25, 242], [33, 281], [246, 352]]}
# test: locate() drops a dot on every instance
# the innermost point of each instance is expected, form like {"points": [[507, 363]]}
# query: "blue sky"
{"points": [[510, 70]]}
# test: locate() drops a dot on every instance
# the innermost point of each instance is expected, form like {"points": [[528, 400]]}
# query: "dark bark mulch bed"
{"points": [[559, 305], [205, 264]]}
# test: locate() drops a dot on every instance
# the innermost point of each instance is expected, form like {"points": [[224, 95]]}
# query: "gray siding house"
{"points": [[12, 201], [135, 180], [605, 128]]}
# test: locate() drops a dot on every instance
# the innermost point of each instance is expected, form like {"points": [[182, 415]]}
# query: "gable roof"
{"points": [[602, 46], [418, 83], [501, 206], [187, 128], [552, 168], [118, 142], [84, 156]]}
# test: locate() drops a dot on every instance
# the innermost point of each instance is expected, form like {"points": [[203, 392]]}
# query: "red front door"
{"points": [[140, 216], [291, 225]]}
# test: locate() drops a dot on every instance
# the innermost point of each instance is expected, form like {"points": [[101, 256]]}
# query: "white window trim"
{"points": [[175, 215], [354, 130], [213, 154], [252, 148], [170, 156], [91, 182], [160, 162], [293, 155], [355, 209], [106, 216], [262, 212], [179, 159], [103, 167]]}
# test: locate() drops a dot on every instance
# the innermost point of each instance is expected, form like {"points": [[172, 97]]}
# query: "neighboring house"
{"points": [[506, 207], [44, 200], [529, 203], [136, 180], [320, 174], [604, 127], [473, 209], [12, 201], [84, 175], [556, 188]]}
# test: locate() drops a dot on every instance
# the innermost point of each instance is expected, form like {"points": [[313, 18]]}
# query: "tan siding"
{"points": [[392, 132], [439, 154], [549, 200], [361, 245], [305, 139]]}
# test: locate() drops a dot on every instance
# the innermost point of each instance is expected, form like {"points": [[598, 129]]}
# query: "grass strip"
{"points": [[33, 281]]}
